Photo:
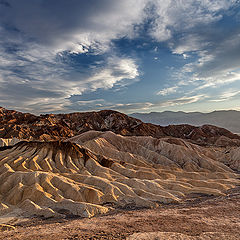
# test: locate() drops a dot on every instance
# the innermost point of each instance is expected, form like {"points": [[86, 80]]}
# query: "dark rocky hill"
{"points": [[62, 126]]}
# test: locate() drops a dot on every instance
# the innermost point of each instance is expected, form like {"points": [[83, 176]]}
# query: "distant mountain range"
{"points": [[226, 119]]}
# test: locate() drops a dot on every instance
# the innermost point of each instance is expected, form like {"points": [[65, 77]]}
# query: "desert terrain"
{"points": [[119, 119], [204, 218], [104, 175]]}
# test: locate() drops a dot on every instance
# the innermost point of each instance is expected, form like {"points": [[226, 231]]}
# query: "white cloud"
{"points": [[31, 78], [30, 69], [215, 60], [167, 91], [189, 43], [219, 80], [98, 104], [93, 23], [225, 96], [184, 100], [215, 66], [185, 56], [87, 23], [177, 15], [118, 71], [131, 107]]}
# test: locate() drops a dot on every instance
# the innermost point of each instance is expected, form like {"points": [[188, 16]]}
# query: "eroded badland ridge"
{"points": [[63, 126], [58, 166]]}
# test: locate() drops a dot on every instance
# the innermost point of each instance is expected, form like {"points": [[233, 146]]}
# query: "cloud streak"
{"points": [[168, 91], [98, 104]]}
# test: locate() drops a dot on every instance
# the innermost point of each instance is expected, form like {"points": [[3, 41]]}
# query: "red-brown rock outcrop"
{"points": [[62, 126]]}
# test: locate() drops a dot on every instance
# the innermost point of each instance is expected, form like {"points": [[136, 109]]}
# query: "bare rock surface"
{"points": [[62, 126], [96, 172], [202, 218], [105, 175]]}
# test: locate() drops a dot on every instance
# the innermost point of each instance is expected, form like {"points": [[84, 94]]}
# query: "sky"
{"points": [[128, 55]]}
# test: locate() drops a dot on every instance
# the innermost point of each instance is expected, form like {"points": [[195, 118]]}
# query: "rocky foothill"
{"points": [[62, 126], [105, 175]]}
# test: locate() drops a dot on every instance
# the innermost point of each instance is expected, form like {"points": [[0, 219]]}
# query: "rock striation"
{"points": [[96, 171]]}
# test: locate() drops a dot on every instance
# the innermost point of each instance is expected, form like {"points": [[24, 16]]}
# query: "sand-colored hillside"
{"points": [[234, 156], [104, 171], [168, 153]]}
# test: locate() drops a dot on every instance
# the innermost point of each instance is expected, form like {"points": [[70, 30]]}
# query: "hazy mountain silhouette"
{"points": [[226, 119]]}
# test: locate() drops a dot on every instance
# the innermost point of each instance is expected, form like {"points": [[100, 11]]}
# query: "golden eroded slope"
{"points": [[96, 170]]}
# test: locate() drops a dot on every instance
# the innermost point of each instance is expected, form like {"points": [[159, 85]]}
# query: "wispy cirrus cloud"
{"points": [[56, 88], [226, 95], [181, 16], [98, 104], [167, 91], [215, 53]]}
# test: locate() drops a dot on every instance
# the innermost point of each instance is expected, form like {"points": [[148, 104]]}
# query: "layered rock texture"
{"points": [[86, 164], [97, 171], [63, 126]]}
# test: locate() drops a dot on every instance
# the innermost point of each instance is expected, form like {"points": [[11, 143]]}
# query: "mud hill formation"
{"points": [[96, 171], [85, 164], [63, 126]]}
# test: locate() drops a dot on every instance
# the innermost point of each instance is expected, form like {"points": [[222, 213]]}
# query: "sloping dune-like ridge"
{"points": [[234, 156], [90, 172]]}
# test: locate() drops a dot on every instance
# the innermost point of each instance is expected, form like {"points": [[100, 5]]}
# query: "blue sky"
{"points": [[128, 55]]}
